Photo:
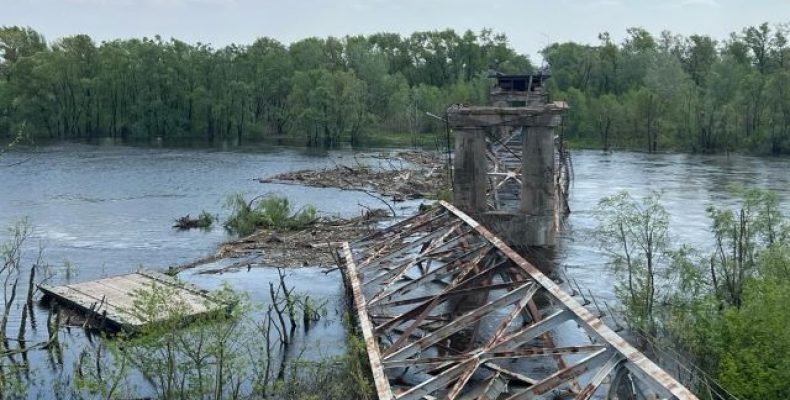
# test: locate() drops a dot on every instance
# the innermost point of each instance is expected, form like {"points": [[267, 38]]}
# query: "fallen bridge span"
{"points": [[448, 310]]}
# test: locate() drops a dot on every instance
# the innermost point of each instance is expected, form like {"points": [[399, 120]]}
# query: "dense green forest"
{"points": [[321, 90], [650, 92], [673, 92]]}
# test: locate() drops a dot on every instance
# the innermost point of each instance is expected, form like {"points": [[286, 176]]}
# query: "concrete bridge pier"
{"points": [[538, 194], [470, 170], [508, 181]]}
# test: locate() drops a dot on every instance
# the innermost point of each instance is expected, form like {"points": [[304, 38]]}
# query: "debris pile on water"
{"points": [[402, 176], [311, 246], [203, 221]]}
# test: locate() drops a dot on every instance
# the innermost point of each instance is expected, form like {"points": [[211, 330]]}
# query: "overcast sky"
{"points": [[528, 24]]}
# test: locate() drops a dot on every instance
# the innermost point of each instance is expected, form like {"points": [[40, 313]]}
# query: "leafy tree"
{"points": [[741, 236], [605, 111], [755, 353], [17, 43], [327, 105], [635, 235], [318, 90], [702, 54], [690, 93], [727, 311]]}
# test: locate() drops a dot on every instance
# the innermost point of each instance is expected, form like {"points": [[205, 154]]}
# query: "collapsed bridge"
{"points": [[450, 308]]}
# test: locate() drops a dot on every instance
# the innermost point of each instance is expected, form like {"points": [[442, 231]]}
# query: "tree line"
{"points": [[691, 93], [649, 92], [318, 90]]}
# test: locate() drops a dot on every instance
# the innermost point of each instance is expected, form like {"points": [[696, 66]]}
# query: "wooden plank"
{"points": [[122, 291], [140, 282], [164, 278], [99, 291], [83, 302], [117, 296]]}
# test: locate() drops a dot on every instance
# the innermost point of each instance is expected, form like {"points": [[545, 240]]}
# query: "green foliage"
{"points": [[205, 220], [317, 91], [690, 93], [728, 310], [667, 92], [220, 356], [203, 359], [271, 212], [635, 235], [742, 235], [755, 342], [335, 378], [328, 105]]}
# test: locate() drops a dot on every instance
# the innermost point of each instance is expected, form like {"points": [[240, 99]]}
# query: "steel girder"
{"points": [[448, 310]]}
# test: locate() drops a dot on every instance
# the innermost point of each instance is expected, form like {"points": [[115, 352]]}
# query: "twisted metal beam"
{"points": [[448, 310]]}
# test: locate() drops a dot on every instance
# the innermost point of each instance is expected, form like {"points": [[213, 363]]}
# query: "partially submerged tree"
{"points": [[743, 235], [635, 235], [727, 310]]}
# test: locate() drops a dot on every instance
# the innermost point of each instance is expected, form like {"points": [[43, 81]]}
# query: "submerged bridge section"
{"points": [[448, 310]]}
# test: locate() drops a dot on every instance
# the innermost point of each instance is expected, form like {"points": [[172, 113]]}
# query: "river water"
{"points": [[688, 183], [102, 210]]}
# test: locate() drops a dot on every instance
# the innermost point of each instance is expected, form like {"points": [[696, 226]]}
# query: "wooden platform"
{"points": [[110, 302]]}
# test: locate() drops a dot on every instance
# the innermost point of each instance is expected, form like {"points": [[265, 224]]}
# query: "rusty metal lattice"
{"points": [[450, 311], [504, 157]]}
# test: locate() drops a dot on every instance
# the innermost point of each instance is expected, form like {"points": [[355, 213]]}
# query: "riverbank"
{"points": [[594, 144], [370, 141]]}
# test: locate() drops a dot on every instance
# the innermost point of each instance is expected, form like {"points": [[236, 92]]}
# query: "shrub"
{"points": [[272, 212], [205, 220]]}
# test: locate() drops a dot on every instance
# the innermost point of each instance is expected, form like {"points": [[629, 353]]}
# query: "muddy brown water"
{"points": [[108, 209]]}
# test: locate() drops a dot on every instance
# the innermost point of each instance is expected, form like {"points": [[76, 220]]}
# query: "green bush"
{"points": [[272, 212], [205, 220]]}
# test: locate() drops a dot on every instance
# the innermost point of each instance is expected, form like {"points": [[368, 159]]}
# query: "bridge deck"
{"points": [[448, 310]]}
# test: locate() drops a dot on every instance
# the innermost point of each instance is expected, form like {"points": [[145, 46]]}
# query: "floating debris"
{"points": [[312, 246], [406, 176], [203, 221]]}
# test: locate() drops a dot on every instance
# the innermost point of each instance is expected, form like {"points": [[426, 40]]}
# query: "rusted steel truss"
{"points": [[504, 154], [504, 157], [449, 311]]}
